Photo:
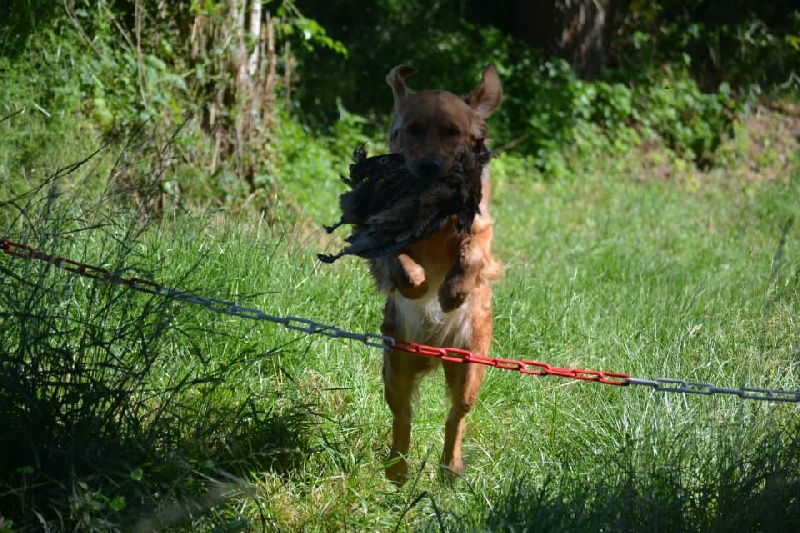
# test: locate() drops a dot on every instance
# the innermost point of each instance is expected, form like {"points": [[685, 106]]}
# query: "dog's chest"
{"points": [[422, 320]]}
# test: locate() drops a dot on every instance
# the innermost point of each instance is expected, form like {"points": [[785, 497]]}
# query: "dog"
{"points": [[438, 289]]}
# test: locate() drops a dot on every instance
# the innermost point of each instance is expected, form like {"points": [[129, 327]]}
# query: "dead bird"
{"points": [[390, 208]]}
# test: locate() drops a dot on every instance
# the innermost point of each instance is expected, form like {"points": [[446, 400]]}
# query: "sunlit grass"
{"points": [[651, 278]]}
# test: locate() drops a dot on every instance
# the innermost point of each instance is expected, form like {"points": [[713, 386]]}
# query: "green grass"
{"points": [[238, 424]]}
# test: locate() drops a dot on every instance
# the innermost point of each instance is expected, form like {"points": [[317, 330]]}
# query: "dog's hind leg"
{"points": [[401, 375], [399, 391], [464, 384], [464, 381]]}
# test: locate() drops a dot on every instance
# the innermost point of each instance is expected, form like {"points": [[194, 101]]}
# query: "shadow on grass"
{"points": [[109, 408], [734, 486]]}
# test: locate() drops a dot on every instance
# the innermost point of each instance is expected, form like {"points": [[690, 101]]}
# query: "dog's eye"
{"points": [[452, 131], [415, 130]]}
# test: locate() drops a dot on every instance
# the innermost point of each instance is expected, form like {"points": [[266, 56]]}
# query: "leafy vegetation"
{"points": [[679, 73], [646, 219], [748, 45]]}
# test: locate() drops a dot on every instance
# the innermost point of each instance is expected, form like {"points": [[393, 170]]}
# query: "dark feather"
{"points": [[391, 208]]}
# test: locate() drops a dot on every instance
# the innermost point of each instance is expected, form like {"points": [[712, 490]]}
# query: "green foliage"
{"points": [[19, 19], [560, 115], [548, 113], [94, 61], [307, 168], [86, 61], [309, 30], [692, 122], [743, 43]]}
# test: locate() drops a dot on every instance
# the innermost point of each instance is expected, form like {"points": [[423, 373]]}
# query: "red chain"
{"points": [[89, 271], [535, 368]]}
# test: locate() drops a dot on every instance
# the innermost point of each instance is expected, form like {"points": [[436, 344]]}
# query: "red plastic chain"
{"points": [[24, 251], [535, 368]]}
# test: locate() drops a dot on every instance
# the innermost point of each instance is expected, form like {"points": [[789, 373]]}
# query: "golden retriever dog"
{"points": [[438, 289]]}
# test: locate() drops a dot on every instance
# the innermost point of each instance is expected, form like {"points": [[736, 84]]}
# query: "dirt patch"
{"points": [[766, 147], [772, 137]]}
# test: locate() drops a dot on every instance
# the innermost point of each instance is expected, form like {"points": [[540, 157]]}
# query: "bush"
{"points": [[745, 44], [559, 114], [693, 123]]}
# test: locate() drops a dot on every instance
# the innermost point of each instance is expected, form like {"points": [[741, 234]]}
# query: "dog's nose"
{"points": [[430, 167]]}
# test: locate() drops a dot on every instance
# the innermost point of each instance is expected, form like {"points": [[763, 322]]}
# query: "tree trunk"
{"points": [[235, 46], [578, 31]]}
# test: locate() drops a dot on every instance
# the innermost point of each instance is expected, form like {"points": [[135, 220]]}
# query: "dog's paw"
{"points": [[450, 473], [397, 470], [452, 294], [410, 278]]}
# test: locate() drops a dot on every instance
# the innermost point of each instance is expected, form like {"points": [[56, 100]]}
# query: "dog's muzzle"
{"points": [[430, 167]]}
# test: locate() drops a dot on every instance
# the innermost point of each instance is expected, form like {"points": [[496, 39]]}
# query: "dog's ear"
{"points": [[395, 80], [487, 95]]}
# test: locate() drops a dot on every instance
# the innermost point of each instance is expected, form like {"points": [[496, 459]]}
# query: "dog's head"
{"points": [[430, 128]]}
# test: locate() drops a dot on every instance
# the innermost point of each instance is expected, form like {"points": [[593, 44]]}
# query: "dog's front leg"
{"points": [[462, 278], [399, 388], [409, 277], [400, 272]]}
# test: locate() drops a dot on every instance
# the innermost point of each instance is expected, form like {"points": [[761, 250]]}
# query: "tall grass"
{"points": [[116, 404], [674, 482]]}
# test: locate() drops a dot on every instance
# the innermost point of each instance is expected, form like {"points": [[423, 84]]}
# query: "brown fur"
{"points": [[439, 288]]}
